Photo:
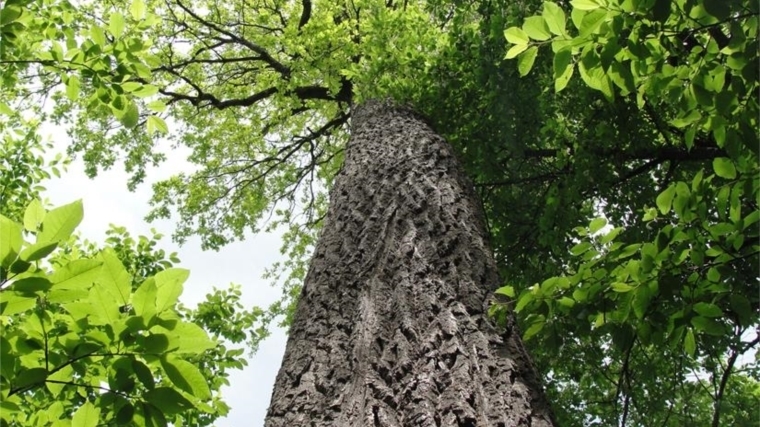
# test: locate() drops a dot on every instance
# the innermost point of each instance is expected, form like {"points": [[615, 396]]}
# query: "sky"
{"points": [[107, 200]]}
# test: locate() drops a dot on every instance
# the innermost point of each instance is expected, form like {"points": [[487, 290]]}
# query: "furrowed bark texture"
{"points": [[392, 329]]}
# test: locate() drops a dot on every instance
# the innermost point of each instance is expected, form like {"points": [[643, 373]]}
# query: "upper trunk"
{"points": [[392, 326]]}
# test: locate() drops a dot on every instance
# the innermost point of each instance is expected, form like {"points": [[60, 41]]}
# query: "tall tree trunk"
{"points": [[392, 328]]}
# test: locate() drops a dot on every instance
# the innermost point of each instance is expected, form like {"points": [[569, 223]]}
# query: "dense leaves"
{"points": [[665, 298]]}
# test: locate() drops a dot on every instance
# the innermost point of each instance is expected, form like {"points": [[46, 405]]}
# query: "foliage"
{"points": [[54, 336], [671, 291], [80, 340]]}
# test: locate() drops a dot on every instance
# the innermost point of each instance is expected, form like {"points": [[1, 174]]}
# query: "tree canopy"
{"points": [[622, 199]]}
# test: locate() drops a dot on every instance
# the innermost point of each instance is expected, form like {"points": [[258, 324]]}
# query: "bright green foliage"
{"points": [[671, 292], [77, 337], [125, 265]]}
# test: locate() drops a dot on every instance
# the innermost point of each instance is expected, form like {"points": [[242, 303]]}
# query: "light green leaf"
{"points": [[525, 60], [63, 374], [10, 241], [145, 91], [535, 27], [137, 9], [621, 287], [523, 301], [105, 308], [665, 199], [72, 88], [580, 248], [131, 116], [585, 4], [597, 224], [16, 302], [37, 251], [567, 301], [516, 35], [169, 284], [61, 222], [157, 124], [724, 167], [509, 291], [144, 300], [555, 18], [186, 376], [98, 36], [78, 274], [515, 50], [156, 106], [689, 344], [86, 416], [191, 338], [116, 24], [33, 216], [114, 278]]}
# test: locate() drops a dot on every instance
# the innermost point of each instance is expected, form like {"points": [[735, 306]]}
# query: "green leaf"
{"points": [[689, 344], [580, 248], [597, 224], [144, 374], [145, 91], [37, 251], [105, 308], [72, 88], [535, 27], [137, 9], [523, 301], [533, 329], [144, 300], [554, 17], [509, 291], [16, 302], [168, 399], [30, 378], [708, 309], [665, 199], [33, 216], [708, 326], [169, 284], [724, 167], [116, 24], [157, 124], [10, 241], [98, 36], [621, 287], [516, 35], [78, 274], [64, 374], [186, 376], [585, 4], [86, 416], [114, 278], [61, 222], [515, 50], [131, 116], [525, 60]]}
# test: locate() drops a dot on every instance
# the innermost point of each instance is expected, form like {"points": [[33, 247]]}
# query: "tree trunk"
{"points": [[392, 328]]}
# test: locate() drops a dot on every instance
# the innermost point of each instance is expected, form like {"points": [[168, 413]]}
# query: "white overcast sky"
{"points": [[107, 200]]}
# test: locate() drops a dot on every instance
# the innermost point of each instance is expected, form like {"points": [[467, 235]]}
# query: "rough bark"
{"points": [[392, 328]]}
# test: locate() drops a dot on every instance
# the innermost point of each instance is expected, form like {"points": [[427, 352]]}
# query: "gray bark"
{"points": [[392, 328]]}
